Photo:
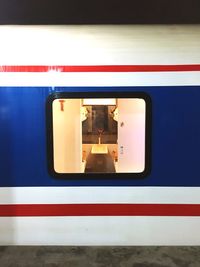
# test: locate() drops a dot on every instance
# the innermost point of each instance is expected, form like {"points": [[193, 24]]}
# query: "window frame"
{"points": [[97, 176]]}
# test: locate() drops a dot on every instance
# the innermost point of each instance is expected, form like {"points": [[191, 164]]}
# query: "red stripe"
{"points": [[102, 68], [100, 210]]}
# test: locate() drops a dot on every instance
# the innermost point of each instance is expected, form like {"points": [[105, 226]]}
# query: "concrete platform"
{"points": [[30, 256]]}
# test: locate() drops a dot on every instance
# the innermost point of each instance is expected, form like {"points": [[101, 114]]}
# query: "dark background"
{"points": [[99, 11]]}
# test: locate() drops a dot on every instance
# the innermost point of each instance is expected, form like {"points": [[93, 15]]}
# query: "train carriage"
{"points": [[100, 135]]}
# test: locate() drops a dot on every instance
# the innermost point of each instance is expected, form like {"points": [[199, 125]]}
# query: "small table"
{"points": [[99, 149]]}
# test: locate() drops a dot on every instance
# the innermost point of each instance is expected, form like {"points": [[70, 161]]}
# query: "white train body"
{"points": [[162, 207]]}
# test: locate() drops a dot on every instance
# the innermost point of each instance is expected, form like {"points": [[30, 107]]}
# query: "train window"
{"points": [[98, 135]]}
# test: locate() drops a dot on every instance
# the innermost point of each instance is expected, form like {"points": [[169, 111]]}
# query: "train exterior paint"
{"points": [[162, 208]]}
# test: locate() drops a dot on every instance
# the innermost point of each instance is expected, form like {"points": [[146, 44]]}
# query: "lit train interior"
{"points": [[99, 135]]}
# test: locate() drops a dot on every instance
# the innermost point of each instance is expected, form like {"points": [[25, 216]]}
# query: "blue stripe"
{"points": [[175, 137]]}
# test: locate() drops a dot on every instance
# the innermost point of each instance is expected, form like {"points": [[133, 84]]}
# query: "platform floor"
{"points": [[30, 256]]}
